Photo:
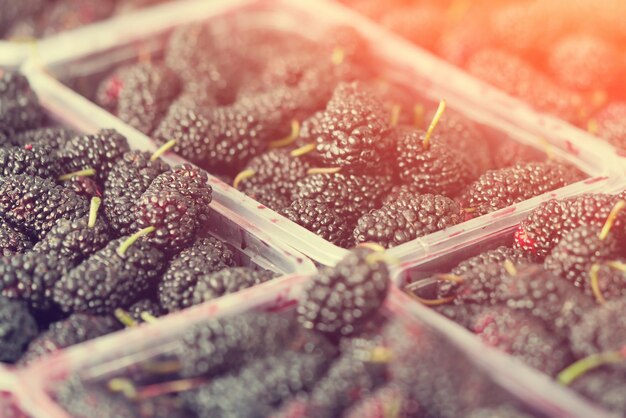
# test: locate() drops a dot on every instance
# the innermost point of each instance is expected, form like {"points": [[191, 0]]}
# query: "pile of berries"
{"points": [[555, 298], [569, 66], [331, 357], [309, 130], [94, 235]]}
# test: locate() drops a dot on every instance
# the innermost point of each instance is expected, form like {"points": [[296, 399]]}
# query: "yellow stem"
{"points": [[163, 149], [121, 250], [611, 219], [433, 124], [244, 175], [80, 173], [288, 140], [323, 170]]}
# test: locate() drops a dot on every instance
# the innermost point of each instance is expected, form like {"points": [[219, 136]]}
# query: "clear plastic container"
{"points": [[479, 92], [113, 354], [442, 259], [122, 38]]}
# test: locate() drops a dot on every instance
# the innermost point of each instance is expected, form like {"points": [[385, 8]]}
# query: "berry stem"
{"points": [[510, 267], [299, 152], [418, 115], [288, 140], [121, 250], [372, 246], [547, 148], [148, 317], [433, 124], [244, 175], [123, 316], [323, 170], [582, 366], [431, 302], [617, 265], [80, 173], [162, 149], [395, 115], [125, 386], [162, 367], [338, 56], [595, 284], [592, 126], [450, 278], [175, 386], [611, 219], [93, 211], [377, 257]]}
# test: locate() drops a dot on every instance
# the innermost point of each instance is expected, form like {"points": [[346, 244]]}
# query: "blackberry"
{"points": [[348, 380], [172, 215], [542, 230], [431, 165], [611, 281], [12, 12], [349, 196], [319, 219], [224, 344], [108, 279], [509, 153], [273, 173], [390, 395], [35, 205], [108, 93], [465, 136], [497, 189], [605, 386], [83, 186], [30, 277], [406, 219], [75, 240], [400, 192], [19, 108], [553, 300], [495, 256], [99, 151], [261, 384], [127, 180], [228, 280], [17, 328], [83, 400], [340, 300], [578, 250], [268, 198], [354, 130], [601, 330], [34, 160], [148, 91], [188, 125], [234, 139], [523, 337], [192, 183], [12, 241], [477, 287], [75, 329], [54, 137], [205, 256], [463, 315], [309, 130]]}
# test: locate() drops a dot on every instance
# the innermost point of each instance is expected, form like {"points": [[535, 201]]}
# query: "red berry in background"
{"points": [[462, 41], [519, 78], [422, 25], [527, 27], [610, 124], [584, 62]]}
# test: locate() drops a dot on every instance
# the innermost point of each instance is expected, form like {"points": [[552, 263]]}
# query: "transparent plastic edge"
{"points": [[510, 373], [301, 239], [273, 295]]}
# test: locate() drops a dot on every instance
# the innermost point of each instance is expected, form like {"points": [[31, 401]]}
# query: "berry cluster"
{"points": [[568, 66], [309, 130], [554, 299], [94, 235], [338, 355]]}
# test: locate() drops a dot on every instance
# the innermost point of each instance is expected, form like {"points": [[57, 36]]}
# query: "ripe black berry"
{"points": [[319, 219]]}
